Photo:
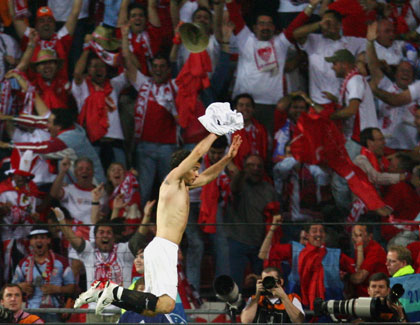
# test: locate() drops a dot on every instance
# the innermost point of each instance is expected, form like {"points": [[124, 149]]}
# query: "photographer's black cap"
{"points": [[39, 230]]}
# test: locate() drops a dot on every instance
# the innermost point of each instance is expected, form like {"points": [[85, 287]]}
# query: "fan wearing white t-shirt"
{"points": [[357, 106], [76, 198], [262, 56], [103, 258], [396, 123], [318, 46], [387, 47], [357, 112]]}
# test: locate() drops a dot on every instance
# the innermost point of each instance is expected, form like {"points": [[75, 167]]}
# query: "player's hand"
{"points": [[234, 147]]}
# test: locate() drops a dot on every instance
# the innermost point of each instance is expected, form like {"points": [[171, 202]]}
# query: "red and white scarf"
{"points": [[46, 275], [108, 269], [127, 187], [50, 44], [112, 59], [142, 41], [21, 9], [29, 96], [350, 75], [164, 95]]}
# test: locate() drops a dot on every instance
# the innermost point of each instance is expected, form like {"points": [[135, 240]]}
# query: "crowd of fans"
{"points": [[96, 96]]}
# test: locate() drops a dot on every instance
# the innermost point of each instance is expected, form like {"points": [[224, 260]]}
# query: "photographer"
{"points": [[379, 287], [11, 310], [271, 304]]}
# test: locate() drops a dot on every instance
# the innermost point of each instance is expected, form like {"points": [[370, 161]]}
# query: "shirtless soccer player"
{"points": [[160, 256]]}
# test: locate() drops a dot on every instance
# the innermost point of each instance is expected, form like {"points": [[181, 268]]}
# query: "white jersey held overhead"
{"points": [[160, 256]]}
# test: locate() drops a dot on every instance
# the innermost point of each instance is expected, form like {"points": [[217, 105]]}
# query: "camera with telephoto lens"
{"points": [[374, 309], [6, 315]]}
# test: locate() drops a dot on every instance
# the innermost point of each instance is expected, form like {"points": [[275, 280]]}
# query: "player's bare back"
{"points": [[172, 210]]}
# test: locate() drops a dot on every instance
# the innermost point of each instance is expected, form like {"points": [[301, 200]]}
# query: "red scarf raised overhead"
{"points": [[311, 274], [54, 95], [191, 80], [381, 165], [94, 114], [254, 141]]}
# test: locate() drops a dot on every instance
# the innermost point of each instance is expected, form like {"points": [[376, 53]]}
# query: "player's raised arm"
{"points": [[188, 163], [218, 120], [214, 170]]}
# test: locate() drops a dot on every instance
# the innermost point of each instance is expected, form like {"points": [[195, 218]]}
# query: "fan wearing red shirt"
{"points": [[401, 197], [145, 34], [52, 88], [254, 135], [164, 13], [155, 117], [45, 25], [370, 257], [356, 15]]}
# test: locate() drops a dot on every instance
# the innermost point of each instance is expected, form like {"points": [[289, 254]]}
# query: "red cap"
{"points": [[44, 11]]}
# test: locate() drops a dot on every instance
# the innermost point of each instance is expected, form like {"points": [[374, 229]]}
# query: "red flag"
{"points": [[191, 80], [318, 141]]}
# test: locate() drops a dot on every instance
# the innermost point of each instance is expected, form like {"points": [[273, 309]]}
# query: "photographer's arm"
{"points": [[399, 310], [294, 313], [249, 312]]}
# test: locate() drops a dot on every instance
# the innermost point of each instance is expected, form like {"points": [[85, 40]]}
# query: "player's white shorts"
{"points": [[160, 271]]}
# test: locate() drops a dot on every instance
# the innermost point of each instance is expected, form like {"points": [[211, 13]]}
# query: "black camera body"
{"points": [[6, 315], [268, 283], [375, 309]]}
